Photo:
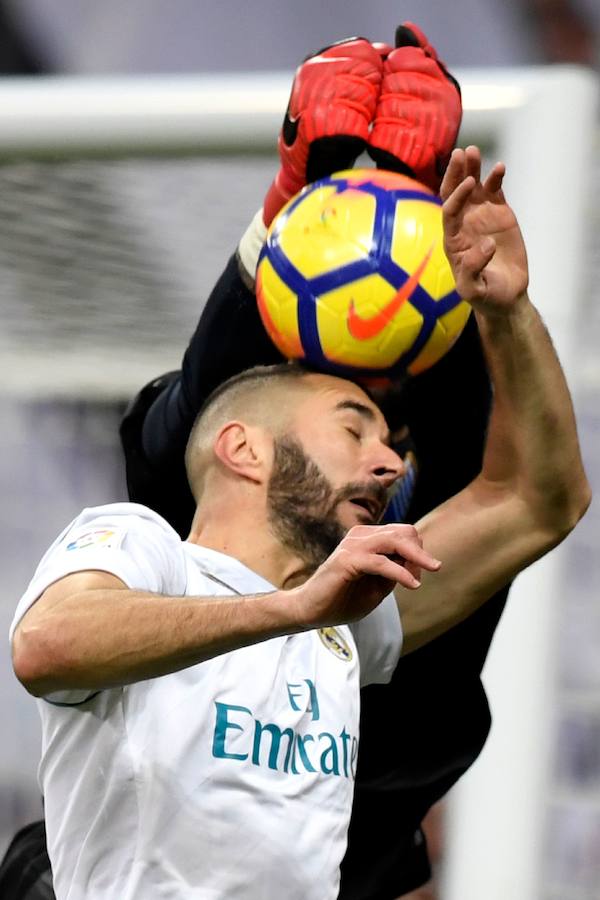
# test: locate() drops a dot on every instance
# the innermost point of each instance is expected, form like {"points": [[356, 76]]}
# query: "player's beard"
{"points": [[302, 503]]}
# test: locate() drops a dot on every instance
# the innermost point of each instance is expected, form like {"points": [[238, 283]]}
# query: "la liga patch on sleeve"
{"points": [[96, 538]]}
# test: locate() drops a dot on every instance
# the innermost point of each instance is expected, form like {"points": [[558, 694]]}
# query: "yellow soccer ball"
{"points": [[353, 278]]}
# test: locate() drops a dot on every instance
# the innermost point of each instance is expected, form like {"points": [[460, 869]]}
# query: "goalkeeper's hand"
{"points": [[419, 110], [327, 121]]}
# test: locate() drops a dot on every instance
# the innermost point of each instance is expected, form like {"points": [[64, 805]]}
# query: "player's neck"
{"points": [[251, 541]]}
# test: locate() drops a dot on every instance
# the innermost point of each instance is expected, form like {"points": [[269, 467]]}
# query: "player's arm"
{"points": [[532, 489], [89, 631]]}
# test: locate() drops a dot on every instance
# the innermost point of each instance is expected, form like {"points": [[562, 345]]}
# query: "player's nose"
{"points": [[388, 467]]}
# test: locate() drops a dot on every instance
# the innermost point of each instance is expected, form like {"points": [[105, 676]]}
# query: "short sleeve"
{"points": [[378, 638], [123, 539]]}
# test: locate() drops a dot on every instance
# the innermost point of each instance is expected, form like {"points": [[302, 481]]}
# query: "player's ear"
{"points": [[244, 450]]}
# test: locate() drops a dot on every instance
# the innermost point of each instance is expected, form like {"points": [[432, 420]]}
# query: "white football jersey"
{"points": [[231, 778]]}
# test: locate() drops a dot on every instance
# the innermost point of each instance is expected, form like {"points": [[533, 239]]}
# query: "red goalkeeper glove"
{"points": [[419, 110], [326, 125]]}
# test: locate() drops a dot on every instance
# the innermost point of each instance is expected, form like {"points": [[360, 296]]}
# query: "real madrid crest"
{"points": [[335, 643]]}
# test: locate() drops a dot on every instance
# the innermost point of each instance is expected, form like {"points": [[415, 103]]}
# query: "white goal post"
{"points": [[541, 122]]}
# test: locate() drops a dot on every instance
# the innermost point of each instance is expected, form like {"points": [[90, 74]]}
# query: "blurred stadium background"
{"points": [[105, 264]]}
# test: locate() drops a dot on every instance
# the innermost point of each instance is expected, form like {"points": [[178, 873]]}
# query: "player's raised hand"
{"points": [[482, 238], [363, 569]]}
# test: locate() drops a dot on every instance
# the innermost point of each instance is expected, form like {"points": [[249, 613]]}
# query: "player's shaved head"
{"points": [[258, 396]]}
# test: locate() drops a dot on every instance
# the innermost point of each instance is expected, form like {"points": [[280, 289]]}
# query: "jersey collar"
{"points": [[228, 570]]}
